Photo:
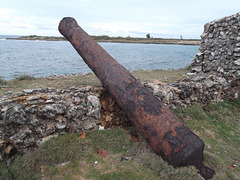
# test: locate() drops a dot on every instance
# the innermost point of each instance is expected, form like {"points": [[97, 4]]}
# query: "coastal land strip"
{"points": [[119, 39]]}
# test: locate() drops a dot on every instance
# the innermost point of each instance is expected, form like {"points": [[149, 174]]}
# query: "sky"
{"points": [[135, 18]]}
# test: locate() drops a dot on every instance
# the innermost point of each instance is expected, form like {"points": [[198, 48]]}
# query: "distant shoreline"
{"points": [[118, 40], [176, 42]]}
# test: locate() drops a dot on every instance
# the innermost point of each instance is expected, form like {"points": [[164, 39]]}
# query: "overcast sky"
{"points": [[135, 18]]}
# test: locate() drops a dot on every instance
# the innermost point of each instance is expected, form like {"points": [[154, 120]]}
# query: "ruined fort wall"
{"points": [[219, 52]]}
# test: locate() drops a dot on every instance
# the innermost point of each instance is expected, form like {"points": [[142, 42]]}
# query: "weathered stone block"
{"points": [[15, 115], [237, 62]]}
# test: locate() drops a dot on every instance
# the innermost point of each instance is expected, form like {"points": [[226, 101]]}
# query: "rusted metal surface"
{"points": [[166, 134]]}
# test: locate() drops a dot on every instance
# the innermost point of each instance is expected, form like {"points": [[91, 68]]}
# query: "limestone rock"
{"points": [[237, 62], [28, 91], [15, 114], [50, 111], [94, 107]]}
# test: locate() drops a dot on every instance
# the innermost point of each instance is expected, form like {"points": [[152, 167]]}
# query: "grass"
{"points": [[25, 77], [63, 82], [70, 157], [218, 126], [1, 81]]}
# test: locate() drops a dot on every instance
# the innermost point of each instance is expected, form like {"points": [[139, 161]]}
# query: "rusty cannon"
{"points": [[168, 136]]}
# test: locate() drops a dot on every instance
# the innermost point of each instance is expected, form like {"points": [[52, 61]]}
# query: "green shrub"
{"points": [[188, 67], [25, 77], [1, 81]]}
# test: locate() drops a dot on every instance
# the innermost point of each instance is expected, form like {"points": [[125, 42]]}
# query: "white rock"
{"points": [[237, 62], [191, 74], [197, 68], [27, 90], [100, 127], [60, 126]]}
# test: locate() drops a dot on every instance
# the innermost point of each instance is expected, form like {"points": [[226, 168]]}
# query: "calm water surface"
{"points": [[45, 58]]}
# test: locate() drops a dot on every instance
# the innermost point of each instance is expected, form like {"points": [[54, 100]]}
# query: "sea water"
{"points": [[46, 58]]}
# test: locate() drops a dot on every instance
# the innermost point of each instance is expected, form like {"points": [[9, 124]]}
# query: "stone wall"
{"points": [[30, 117], [219, 52], [195, 89]]}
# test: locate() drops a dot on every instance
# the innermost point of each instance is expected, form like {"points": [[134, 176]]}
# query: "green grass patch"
{"points": [[25, 77], [69, 148], [1, 81], [218, 126], [127, 175], [115, 141], [4, 173], [70, 157]]}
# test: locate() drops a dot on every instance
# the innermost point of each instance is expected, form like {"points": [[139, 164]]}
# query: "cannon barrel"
{"points": [[166, 134]]}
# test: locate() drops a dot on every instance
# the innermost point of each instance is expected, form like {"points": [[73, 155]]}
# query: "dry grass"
{"points": [[64, 82]]}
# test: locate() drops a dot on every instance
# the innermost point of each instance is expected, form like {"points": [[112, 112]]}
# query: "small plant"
{"points": [[25, 77], [1, 81], [188, 67]]}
